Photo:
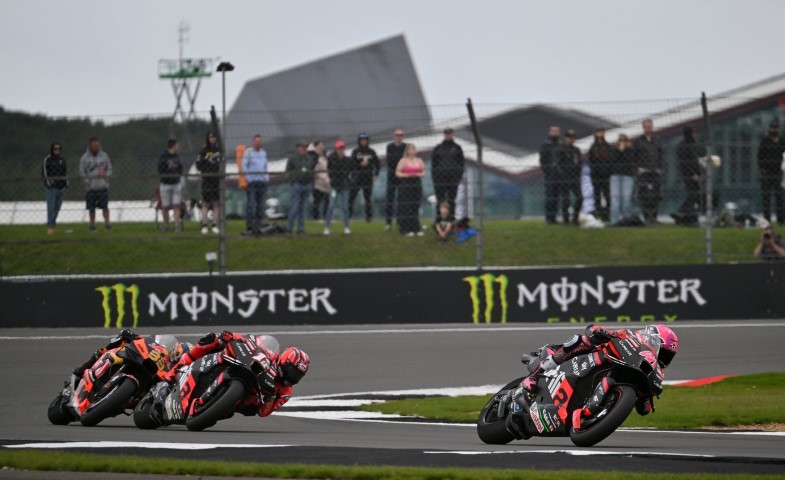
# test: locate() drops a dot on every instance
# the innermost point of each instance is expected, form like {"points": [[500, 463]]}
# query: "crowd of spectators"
{"points": [[626, 181]]}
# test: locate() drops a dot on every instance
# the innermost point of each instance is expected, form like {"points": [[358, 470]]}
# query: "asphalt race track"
{"points": [[348, 360]]}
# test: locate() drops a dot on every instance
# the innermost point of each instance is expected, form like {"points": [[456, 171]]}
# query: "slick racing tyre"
{"points": [[111, 404], [619, 402], [57, 414], [490, 428], [143, 414], [217, 408]]}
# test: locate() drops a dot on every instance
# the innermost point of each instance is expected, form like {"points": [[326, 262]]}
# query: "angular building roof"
{"points": [[337, 96]]}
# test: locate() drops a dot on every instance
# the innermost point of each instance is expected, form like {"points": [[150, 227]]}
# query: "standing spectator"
{"points": [[54, 173], [600, 154], [771, 247], [170, 168], [447, 164], [410, 171], [770, 151], [254, 168], [550, 171], [622, 180], [443, 224], [300, 171], [649, 157], [687, 154], [209, 164], [366, 171], [94, 168], [570, 165], [395, 151], [321, 182], [340, 168]]}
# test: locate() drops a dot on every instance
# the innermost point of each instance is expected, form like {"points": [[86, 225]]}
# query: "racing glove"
{"points": [[644, 406]]}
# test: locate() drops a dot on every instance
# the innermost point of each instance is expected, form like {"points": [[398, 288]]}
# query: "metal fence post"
{"points": [[222, 196], [480, 193], [709, 183]]}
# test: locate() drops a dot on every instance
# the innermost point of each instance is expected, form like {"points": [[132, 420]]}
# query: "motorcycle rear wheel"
{"points": [[490, 428], [57, 414], [618, 409], [218, 408], [111, 405]]}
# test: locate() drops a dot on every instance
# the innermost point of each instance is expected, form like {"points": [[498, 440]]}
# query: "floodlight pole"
{"points": [[223, 67], [709, 181]]}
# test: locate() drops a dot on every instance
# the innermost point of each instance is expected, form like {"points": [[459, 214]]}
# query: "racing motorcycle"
{"points": [[116, 381], [586, 398], [211, 388]]}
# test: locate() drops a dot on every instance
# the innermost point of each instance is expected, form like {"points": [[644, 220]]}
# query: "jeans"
{"points": [[300, 194], [54, 200], [254, 195], [343, 195], [551, 198], [621, 197], [321, 201], [771, 185]]}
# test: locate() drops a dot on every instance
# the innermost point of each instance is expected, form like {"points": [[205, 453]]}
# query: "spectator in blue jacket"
{"points": [[254, 168]]}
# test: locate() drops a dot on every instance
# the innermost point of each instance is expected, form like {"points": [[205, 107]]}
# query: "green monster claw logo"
{"points": [[119, 290], [488, 282]]}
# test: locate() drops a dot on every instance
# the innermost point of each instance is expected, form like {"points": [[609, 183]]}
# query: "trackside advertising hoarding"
{"points": [[505, 295]]}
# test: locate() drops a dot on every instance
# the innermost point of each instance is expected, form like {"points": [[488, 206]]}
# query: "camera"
{"points": [[767, 236]]}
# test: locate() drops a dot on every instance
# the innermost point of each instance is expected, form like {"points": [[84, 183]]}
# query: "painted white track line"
{"points": [[168, 446], [577, 453], [399, 331]]}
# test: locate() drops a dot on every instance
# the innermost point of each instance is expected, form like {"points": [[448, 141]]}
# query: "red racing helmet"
{"points": [[293, 364]]}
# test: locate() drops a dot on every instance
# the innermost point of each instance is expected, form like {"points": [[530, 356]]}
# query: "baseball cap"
{"points": [[570, 133], [363, 136], [340, 144], [448, 130], [302, 143]]}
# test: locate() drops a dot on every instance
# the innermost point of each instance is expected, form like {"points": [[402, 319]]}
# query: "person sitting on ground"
{"points": [[771, 246], [443, 224]]}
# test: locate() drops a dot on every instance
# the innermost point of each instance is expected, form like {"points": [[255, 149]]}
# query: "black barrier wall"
{"points": [[606, 294]]}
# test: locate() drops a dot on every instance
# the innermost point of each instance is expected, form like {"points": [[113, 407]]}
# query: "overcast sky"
{"points": [[85, 57]]}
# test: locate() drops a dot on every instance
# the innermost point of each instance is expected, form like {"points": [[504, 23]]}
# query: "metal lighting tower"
{"points": [[183, 72]]}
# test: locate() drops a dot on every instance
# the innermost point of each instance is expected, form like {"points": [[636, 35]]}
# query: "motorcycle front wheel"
{"points": [[57, 413], [110, 405], [620, 401], [218, 407], [143, 414], [490, 428]]}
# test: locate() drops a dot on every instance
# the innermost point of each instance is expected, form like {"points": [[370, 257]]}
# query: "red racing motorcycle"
{"points": [[585, 398], [211, 388], [115, 383]]}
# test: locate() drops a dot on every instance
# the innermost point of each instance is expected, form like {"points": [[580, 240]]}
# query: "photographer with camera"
{"points": [[771, 246]]}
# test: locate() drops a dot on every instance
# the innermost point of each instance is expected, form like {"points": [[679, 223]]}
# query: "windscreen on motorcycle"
{"points": [[268, 343], [169, 342], [646, 336]]}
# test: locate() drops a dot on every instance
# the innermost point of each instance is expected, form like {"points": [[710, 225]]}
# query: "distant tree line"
{"points": [[134, 146]]}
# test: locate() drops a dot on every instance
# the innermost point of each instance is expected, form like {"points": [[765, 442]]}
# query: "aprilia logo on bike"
{"points": [[119, 291]]}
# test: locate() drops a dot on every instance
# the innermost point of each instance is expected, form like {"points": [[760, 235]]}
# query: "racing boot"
{"points": [[551, 356]]}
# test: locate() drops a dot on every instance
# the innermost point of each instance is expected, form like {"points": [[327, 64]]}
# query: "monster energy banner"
{"points": [[603, 294]]}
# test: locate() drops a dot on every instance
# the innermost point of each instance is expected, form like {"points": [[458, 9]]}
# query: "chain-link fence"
{"points": [[500, 192]]}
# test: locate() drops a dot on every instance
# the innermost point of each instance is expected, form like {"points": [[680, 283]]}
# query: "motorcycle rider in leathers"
{"points": [[550, 356], [291, 365], [167, 346]]}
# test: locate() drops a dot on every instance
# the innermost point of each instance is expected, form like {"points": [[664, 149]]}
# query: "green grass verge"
{"points": [[139, 248], [80, 462], [743, 400]]}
